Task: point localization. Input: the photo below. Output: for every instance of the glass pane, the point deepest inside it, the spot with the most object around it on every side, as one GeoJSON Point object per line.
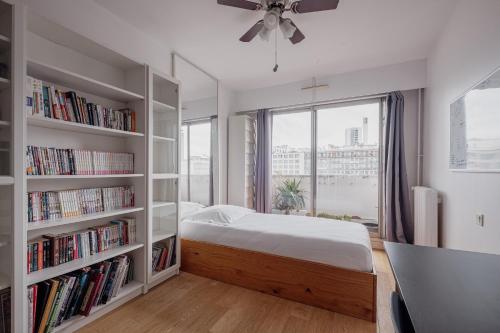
{"type": "Point", "coordinates": [348, 163]}
{"type": "Point", "coordinates": [184, 164]}
{"type": "Point", "coordinates": [292, 163]}
{"type": "Point", "coordinates": [199, 163]}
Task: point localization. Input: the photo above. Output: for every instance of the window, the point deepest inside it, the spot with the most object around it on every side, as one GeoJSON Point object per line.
{"type": "Point", "coordinates": [291, 139]}
{"type": "Point", "coordinates": [196, 170]}
{"type": "Point", "coordinates": [334, 152]}
{"type": "Point", "coordinates": [352, 134]}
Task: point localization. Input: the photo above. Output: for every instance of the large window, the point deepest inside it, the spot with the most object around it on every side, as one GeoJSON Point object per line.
{"type": "Point", "coordinates": [329, 156]}
{"type": "Point", "coordinates": [196, 170]}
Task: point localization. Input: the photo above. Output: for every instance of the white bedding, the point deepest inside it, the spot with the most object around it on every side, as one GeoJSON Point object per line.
{"type": "Point", "coordinates": [335, 243]}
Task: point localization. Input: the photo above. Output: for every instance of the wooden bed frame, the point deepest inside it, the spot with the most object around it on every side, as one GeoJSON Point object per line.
{"type": "Point", "coordinates": [337, 289]}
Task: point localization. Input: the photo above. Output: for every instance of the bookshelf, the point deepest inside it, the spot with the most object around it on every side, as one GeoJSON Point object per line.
{"type": "Point", "coordinates": [34, 47]}
{"type": "Point", "coordinates": [163, 174]}
{"type": "Point", "coordinates": [7, 174]}
{"type": "Point", "coordinates": [70, 62]}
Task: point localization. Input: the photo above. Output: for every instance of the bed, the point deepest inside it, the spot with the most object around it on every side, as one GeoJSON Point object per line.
{"type": "Point", "coordinates": [315, 261]}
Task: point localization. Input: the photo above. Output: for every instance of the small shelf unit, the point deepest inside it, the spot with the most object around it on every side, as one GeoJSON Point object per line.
{"type": "Point", "coordinates": [163, 169]}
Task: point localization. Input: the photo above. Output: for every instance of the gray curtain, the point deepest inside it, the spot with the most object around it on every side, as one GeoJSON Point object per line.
{"type": "Point", "coordinates": [263, 171]}
{"type": "Point", "coordinates": [398, 219]}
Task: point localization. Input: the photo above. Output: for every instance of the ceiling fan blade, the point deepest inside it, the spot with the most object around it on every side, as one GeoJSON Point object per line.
{"type": "Point", "coordinates": [250, 34]}
{"type": "Point", "coordinates": [240, 4]}
{"type": "Point", "coordinates": [298, 36]}
{"type": "Point", "coordinates": [308, 6]}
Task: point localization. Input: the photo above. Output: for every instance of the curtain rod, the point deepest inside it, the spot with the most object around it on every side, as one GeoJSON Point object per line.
{"type": "Point", "coordinates": [310, 105]}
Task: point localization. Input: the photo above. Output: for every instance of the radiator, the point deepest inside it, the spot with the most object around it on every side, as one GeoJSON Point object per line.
{"type": "Point", "coordinates": [426, 216]}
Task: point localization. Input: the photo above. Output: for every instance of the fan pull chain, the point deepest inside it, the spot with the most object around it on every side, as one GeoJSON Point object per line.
{"type": "Point", "coordinates": [275, 69]}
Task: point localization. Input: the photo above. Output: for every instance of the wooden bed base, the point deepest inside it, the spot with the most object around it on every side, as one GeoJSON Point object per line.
{"type": "Point", "coordinates": [337, 289]}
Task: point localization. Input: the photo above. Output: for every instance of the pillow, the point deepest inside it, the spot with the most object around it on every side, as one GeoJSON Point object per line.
{"type": "Point", "coordinates": [220, 214]}
{"type": "Point", "coordinates": [188, 208]}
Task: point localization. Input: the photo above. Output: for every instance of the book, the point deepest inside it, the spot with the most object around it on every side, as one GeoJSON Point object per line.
{"type": "Point", "coordinates": [164, 254]}
{"type": "Point", "coordinates": [42, 161]}
{"type": "Point", "coordinates": [42, 296]}
{"type": "Point", "coordinates": [55, 249]}
{"type": "Point", "coordinates": [46, 100]}
{"type": "Point", "coordinates": [54, 205]}
{"type": "Point", "coordinates": [54, 284]}
{"type": "Point", "coordinates": [76, 293]}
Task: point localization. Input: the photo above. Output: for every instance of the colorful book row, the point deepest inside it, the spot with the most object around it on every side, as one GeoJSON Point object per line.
{"type": "Point", "coordinates": [50, 102]}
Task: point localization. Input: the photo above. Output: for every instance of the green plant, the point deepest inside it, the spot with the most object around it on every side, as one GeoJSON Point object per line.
{"type": "Point", "coordinates": [289, 196]}
{"type": "Point", "coordinates": [336, 217]}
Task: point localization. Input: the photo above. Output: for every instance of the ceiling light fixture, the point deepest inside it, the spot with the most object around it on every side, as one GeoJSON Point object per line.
{"type": "Point", "coordinates": [271, 18]}
{"type": "Point", "coordinates": [287, 28]}
{"type": "Point", "coordinates": [264, 34]}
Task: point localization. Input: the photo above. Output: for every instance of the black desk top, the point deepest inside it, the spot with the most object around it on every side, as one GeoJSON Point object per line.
{"type": "Point", "coordinates": [447, 290]}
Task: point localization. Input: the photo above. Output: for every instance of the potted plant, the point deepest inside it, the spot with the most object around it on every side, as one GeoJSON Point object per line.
{"type": "Point", "coordinates": [289, 196]}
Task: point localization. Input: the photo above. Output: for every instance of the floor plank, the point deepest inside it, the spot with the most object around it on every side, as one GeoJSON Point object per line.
{"type": "Point", "coordinates": [189, 303]}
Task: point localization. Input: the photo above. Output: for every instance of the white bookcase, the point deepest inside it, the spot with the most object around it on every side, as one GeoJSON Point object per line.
{"type": "Point", "coordinates": [163, 170]}
{"type": "Point", "coordinates": [7, 178]}
{"type": "Point", "coordinates": [71, 62]}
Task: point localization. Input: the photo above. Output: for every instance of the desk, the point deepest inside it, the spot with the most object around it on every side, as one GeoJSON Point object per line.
{"type": "Point", "coordinates": [447, 290]}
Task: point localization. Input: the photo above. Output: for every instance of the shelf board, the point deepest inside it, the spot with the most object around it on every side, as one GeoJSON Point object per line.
{"type": "Point", "coordinates": [50, 177]}
{"type": "Point", "coordinates": [83, 218]}
{"type": "Point", "coordinates": [163, 139]}
{"type": "Point", "coordinates": [4, 123]}
{"type": "Point", "coordinates": [159, 235]}
{"type": "Point", "coordinates": [128, 291]}
{"type": "Point", "coordinates": [4, 83]}
{"type": "Point", "coordinates": [77, 127]}
{"type": "Point", "coordinates": [162, 107]}
{"type": "Point", "coordinates": [77, 81]}
{"type": "Point", "coordinates": [158, 275]}
{"type": "Point", "coordinates": [158, 204]}
{"type": "Point", "coordinates": [51, 272]}
{"type": "Point", "coordinates": [4, 150]}
{"type": "Point", "coordinates": [165, 176]}
{"type": "Point", "coordinates": [4, 43]}
{"type": "Point", "coordinates": [6, 180]}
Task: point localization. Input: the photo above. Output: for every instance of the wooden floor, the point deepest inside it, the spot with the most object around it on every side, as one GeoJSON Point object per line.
{"type": "Point", "coordinates": [189, 303]}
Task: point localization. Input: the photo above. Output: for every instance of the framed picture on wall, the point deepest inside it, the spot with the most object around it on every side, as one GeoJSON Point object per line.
{"type": "Point", "coordinates": [475, 128]}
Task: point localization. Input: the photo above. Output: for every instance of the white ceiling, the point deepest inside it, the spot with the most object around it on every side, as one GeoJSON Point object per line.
{"type": "Point", "coordinates": [359, 34]}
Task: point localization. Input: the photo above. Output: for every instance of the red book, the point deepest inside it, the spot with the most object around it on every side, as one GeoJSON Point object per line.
{"type": "Point", "coordinates": [98, 280]}
{"type": "Point", "coordinates": [163, 258]}
{"type": "Point", "coordinates": [35, 294]}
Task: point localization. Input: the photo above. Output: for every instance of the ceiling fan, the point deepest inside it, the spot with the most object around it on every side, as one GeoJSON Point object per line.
{"type": "Point", "coordinates": [273, 17]}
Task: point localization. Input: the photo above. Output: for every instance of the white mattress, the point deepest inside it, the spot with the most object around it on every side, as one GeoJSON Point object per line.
{"type": "Point", "coordinates": [335, 243]}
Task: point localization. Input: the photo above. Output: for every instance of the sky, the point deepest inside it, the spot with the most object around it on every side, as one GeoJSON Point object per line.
{"type": "Point", "coordinates": [294, 129]}
{"type": "Point", "coordinates": [483, 114]}
{"type": "Point", "coordinates": [199, 139]}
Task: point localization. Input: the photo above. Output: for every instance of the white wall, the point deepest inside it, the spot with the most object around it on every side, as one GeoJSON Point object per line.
{"type": "Point", "coordinates": [227, 105]}
{"type": "Point", "coordinates": [98, 24]}
{"type": "Point", "coordinates": [200, 108]}
{"type": "Point", "coordinates": [405, 76]}
{"type": "Point", "coordinates": [467, 51]}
